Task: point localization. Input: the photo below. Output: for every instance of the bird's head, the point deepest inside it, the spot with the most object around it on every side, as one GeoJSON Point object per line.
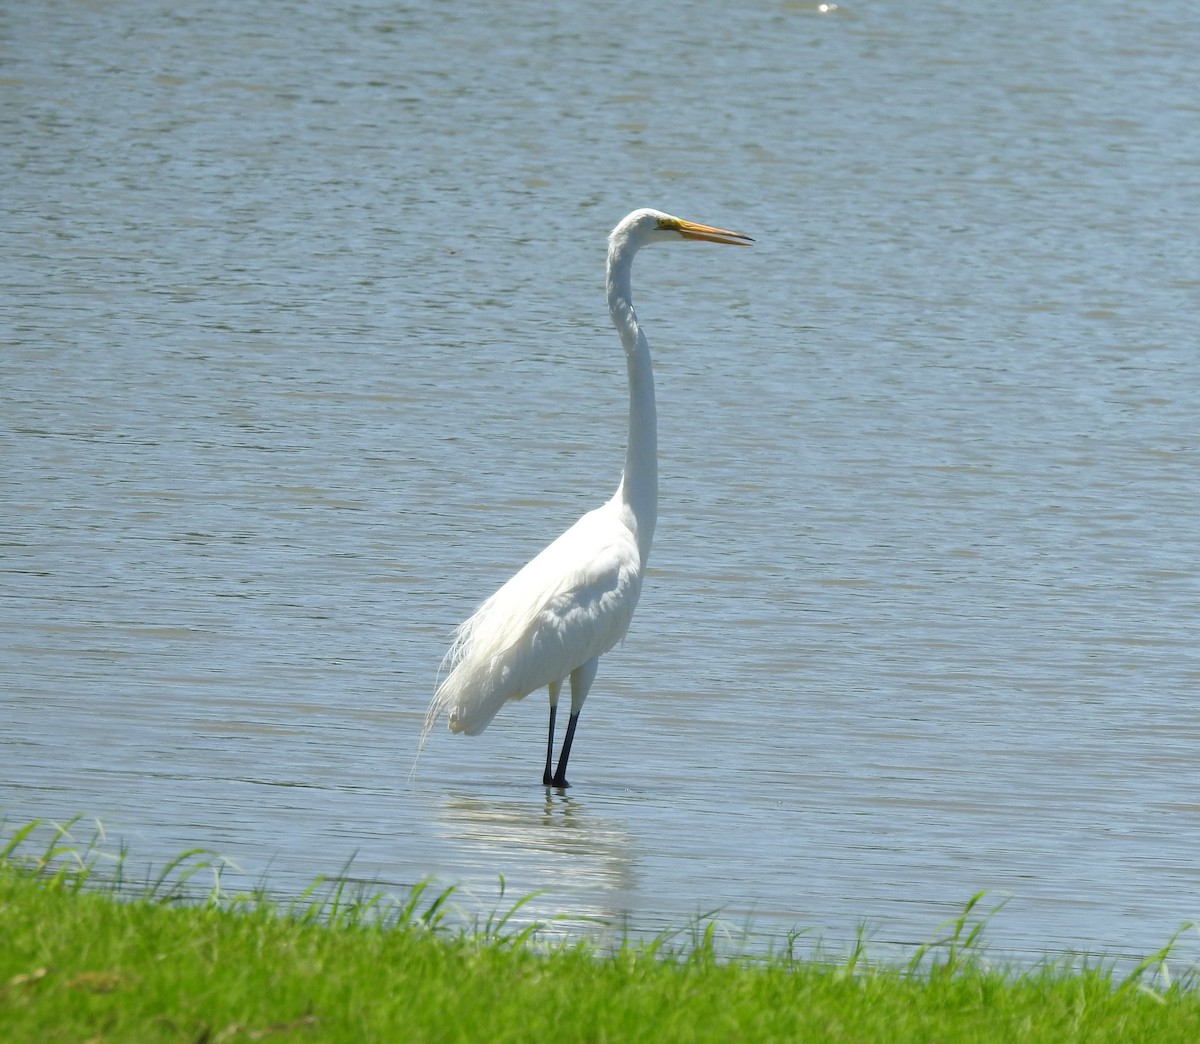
{"type": "Point", "coordinates": [653, 226]}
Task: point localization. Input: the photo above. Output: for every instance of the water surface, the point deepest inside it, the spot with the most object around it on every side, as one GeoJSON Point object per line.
{"type": "Point", "coordinates": [305, 352]}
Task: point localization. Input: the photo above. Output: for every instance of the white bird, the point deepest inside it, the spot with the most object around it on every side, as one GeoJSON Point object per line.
{"type": "Point", "coordinates": [574, 601]}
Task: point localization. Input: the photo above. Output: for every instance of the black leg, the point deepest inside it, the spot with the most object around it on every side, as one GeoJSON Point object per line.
{"type": "Point", "coordinates": [547, 779]}
{"type": "Point", "coordinates": [560, 776]}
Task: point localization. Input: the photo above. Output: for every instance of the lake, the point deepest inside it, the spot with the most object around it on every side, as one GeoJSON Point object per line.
{"type": "Point", "coordinates": [305, 351]}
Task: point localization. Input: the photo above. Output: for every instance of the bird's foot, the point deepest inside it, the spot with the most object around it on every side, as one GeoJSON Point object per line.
{"type": "Point", "coordinates": [558, 781]}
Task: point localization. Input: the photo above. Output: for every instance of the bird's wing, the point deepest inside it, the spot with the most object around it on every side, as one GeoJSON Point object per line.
{"type": "Point", "coordinates": [591, 608]}
{"type": "Point", "coordinates": [571, 603]}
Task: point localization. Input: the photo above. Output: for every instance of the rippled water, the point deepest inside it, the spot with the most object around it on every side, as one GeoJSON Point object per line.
{"type": "Point", "coordinates": [305, 351]}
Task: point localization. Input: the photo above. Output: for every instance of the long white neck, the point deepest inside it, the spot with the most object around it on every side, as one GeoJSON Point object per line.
{"type": "Point", "coordinates": [639, 482]}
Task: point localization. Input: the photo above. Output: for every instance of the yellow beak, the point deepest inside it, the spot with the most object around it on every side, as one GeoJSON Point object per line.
{"type": "Point", "coordinates": [690, 230]}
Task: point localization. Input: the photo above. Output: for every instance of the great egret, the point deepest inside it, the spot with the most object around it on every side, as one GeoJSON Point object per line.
{"type": "Point", "coordinates": [574, 601]}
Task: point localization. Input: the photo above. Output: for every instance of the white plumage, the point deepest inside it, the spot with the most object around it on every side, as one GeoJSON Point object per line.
{"type": "Point", "coordinates": [573, 602]}
{"type": "Point", "coordinates": [570, 604]}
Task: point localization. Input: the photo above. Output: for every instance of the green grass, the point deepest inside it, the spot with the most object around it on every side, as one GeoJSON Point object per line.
{"type": "Point", "coordinates": [86, 954]}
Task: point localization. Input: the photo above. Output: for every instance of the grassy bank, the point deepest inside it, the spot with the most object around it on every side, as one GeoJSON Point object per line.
{"type": "Point", "coordinates": [125, 962]}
